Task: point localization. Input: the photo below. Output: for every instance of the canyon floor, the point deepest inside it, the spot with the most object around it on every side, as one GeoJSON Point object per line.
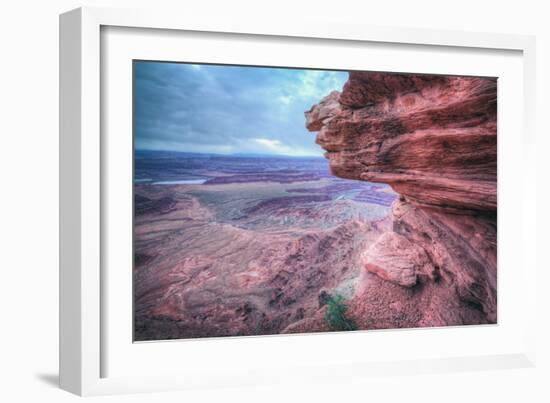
{"type": "Point", "coordinates": [247, 245]}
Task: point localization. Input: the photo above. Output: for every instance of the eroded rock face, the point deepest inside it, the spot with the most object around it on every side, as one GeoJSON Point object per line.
{"type": "Point", "coordinates": [394, 258]}
{"type": "Point", "coordinates": [433, 139]}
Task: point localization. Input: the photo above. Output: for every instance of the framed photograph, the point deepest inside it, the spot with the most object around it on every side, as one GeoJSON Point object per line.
{"type": "Point", "coordinates": [241, 201]}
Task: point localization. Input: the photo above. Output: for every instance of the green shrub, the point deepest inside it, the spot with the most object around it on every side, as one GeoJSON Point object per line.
{"type": "Point", "coordinates": [335, 315]}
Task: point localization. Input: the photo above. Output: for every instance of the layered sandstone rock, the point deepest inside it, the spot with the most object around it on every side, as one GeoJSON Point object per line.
{"type": "Point", "coordinates": [394, 258]}
{"type": "Point", "coordinates": [434, 140]}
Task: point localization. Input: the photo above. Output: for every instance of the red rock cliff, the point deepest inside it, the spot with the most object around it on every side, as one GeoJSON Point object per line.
{"type": "Point", "coordinates": [434, 140]}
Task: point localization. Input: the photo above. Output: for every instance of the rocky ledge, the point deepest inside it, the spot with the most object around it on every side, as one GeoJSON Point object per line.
{"type": "Point", "coordinates": [434, 140]}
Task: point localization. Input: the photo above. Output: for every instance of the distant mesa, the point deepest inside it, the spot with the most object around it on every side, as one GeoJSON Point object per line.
{"type": "Point", "coordinates": [279, 177]}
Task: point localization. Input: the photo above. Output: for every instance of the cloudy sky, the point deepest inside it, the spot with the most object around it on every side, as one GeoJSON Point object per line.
{"type": "Point", "coordinates": [227, 109]}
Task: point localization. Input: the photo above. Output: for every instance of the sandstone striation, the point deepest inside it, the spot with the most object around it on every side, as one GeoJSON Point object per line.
{"type": "Point", "coordinates": [394, 258]}
{"type": "Point", "coordinates": [434, 140]}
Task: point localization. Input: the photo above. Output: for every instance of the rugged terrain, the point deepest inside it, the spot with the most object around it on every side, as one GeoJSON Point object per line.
{"type": "Point", "coordinates": [236, 245]}
{"type": "Point", "coordinates": [228, 246]}
{"type": "Point", "coordinates": [433, 139]}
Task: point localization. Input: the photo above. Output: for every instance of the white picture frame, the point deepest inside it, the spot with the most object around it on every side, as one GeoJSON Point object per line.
{"type": "Point", "coordinates": [83, 307]}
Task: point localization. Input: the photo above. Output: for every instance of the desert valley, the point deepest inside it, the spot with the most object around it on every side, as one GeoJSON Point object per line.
{"type": "Point", "coordinates": [236, 245]}
{"type": "Point", "coordinates": [395, 228]}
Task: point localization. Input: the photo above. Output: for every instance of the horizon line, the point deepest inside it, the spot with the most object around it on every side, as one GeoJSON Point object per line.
{"type": "Point", "coordinates": [252, 154]}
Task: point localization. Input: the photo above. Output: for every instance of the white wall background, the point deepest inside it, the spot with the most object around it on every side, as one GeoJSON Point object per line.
{"type": "Point", "coordinates": [29, 201]}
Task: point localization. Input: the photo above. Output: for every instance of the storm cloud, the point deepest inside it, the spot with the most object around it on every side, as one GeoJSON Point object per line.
{"type": "Point", "coordinates": [227, 109]}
